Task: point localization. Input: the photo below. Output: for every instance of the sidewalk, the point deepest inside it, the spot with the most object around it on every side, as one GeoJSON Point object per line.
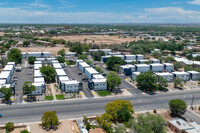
{"type": "Point", "coordinates": [53, 91]}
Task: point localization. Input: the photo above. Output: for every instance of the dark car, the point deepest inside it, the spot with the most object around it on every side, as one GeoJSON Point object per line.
{"type": "Point", "coordinates": [103, 74]}
{"type": "Point", "coordinates": [79, 73]}
{"type": "Point", "coordinates": [0, 115]}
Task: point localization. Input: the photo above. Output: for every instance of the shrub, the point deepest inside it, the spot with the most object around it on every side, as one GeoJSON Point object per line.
{"type": "Point", "coordinates": [9, 126]}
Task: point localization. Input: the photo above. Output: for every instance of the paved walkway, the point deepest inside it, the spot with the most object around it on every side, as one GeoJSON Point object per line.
{"type": "Point", "coordinates": [53, 91]}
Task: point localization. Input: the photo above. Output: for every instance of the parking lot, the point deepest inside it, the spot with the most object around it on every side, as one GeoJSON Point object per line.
{"type": "Point", "coordinates": [19, 78]}
{"type": "Point", "coordinates": [73, 72]}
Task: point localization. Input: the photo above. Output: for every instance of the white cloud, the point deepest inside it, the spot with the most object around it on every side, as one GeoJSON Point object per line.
{"type": "Point", "coordinates": [194, 2]}
{"type": "Point", "coordinates": [149, 15]}
{"type": "Point", "coordinates": [176, 3]}
{"type": "Point", "coordinates": [172, 14]}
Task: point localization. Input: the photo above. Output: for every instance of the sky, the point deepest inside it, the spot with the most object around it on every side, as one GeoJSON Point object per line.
{"type": "Point", "coordinates": [99, 11]}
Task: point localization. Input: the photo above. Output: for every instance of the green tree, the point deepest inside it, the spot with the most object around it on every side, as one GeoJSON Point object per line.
{"type": "Point", "coordinates": [116, 109]}
{"type": "Point", "coordinates": [162, 82]}
{"type": "Point", "coordinates": [83, 57]}
{"type": "Point", "coordinates": [89, 62]}
{"type": "Point", "coordinates": [9, 126]}
{"type": "Point", "coordinates": [7, 93]}
{"type": "Point", "coordinates": [147, 81]}
{"type": "Point", "coordinates": [61, 52]}
{"type": "Point", "coordinates": [177, 65]}
{"type": "Point", "coordinates": [28, 88]}
{"type": "Point", "coordinates": [24, 131]}
{"type": "Point", "coordinates": [97, 55]}
{"type": "Point", "coordinates": [49, 73]}
{"type": "Point", "coordinates": [98, 69]}
{"type": "Point", "coordinates": [169, 59]}
{"type": "Point", "coordinates": [31, 59]}
{"type": "Point", "coordinates": [148, 123]}
{"type": "Point", "coordinates": [77, 49]}
{"type": "Point", "coordinates": [124, 115]}
{"type": "Point", "coordinates": [85, 47]}
{"type": "Point", "coordinates": [61, 59]}
{"type": "Point", "coordinates": [26, 43]}
{"type": "Point", "coordinates": [105, 122]}
{"type": "Point", "coordinates": [3, 61]}
{"type": "Point", "coordinates": [177, 83]}
{"type": "Point", "coordinates": [177, 107]}
{"type": "Point", "coordinates": [14, 55]}
{"type": "Point", "coordinates": [119, 129]}
{"type": "Point", "coordinates": [88, 126]}
{"type": "Point", "coordinates": [113, 80]}
{"type": "Point", "coordinates": [49, 119]}
{"type": "Point", "coordinates": [113, 63]}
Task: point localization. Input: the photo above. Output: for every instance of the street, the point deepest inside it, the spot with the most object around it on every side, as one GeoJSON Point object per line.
{"type": "Point", "coordinates": [31, 112]}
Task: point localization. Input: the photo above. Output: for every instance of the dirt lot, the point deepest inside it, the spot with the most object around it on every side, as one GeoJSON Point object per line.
{"type": "Point", "coordinates": [98, 39]}
{"type": "Point", "coordinates": [1, 33]}
{"type": "Point", "coordinates": [52, 50]}
{"type": "Point", "coordinates": [65, 127]}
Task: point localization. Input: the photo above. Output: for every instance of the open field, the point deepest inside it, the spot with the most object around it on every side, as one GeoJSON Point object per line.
{"type": "Point", "coordinates": [98, 39]}
{"type": "Point", "coordinates": [52, 50]}
{"type": "Point", "coordinates": [1, 33]}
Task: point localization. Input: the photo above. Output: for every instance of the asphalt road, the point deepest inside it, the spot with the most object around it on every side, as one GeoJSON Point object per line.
{"type": "Point", "coordinates": [31, 112]}
{"type": "Point", "coordinates": [22, 77]}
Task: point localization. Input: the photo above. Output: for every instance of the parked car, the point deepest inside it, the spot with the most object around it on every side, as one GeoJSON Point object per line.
{"type": "Point", "coordinates": [79, 73]}
{"type": "Point", "coordinates": [103, 74]}
{"type": "Point", "coordinates": [0, 115]}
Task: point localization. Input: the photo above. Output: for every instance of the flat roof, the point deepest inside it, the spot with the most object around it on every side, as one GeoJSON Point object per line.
{"type": "Point", "coordinates": [57, 65]}
{"type": "Point", "coordinates": [34, 52]}
{"type": "Point", "coordinates": [4, 74]}
{"type": "Point", "coordinates": [38, 84]}
{"type": "Point", "coordinates": [2, 81]}
{"type": "Point", "coordinates": [6, 85]}
{"type": "Point", "coordinates": [40, 59]}
{"type": "Point", "coordinates": [130, 66]}
{"type": "Point", "coordinates": [8, 68]}
{"type": "Point", "coordinates": [156, 64]}
{"type": "Point", "coordinates": [40, 79]}
{"type": "Point", "coordinates": [79, 60]}
{"type": "Point", "coordinates": [37, 62]}
{"type": "Point", "coordinates": [11, 63]}
{"type": "Point", "coordinates": [194, 72]}
{"type": "Point", "coordinates": [164, 74]}
{"type": "Point", "coordinates": [136, 73]}
{"type": "Point", "coordinates": [130, 55]}
{"type": "Point", "coordinates": [71, 82]}
{"type": "Point", "coordinates": [63, 78]}
{"type": "Point", "coordinates": [143, 60]}
{"type": "Point", "coordinates": [180, 73]}
{"type": "Point", "coordinates": [49, 59]}
{"type": "Point", "coordinates": [37, 66]}
{"type": "Point", "coordinates": [139, 55]}
{"type": "Point", "coordinates": [142, 65]}
{"type": "Point", "coordinates": [98, 76]}
{"type": "Point", "coordinates": [91, 70]}
{"type": "Point", "coordinates": [181, 124]}
{"type": "Point", "coordinates": [37, 73]}
{"type": "Point", "coordinates": [99, 80]}
{"type": "Point", "coordinates": [60, 72]}
{"type": "Point", "coordinates": [168, 64]}
{"type": "Point", "coordinates": [55, 61]}
{"type": "Point", "coordinates": [83, 64]}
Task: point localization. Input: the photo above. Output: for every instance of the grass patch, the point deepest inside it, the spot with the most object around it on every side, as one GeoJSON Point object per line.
{"type": "Point", "coordinates": [48, 98]}
{"type": "Point", "coordinates": [103, 93]}
{"type": "Point", "coordinates": [68, 62]}
{"type": "Point", "coordinates": [60, 97]}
